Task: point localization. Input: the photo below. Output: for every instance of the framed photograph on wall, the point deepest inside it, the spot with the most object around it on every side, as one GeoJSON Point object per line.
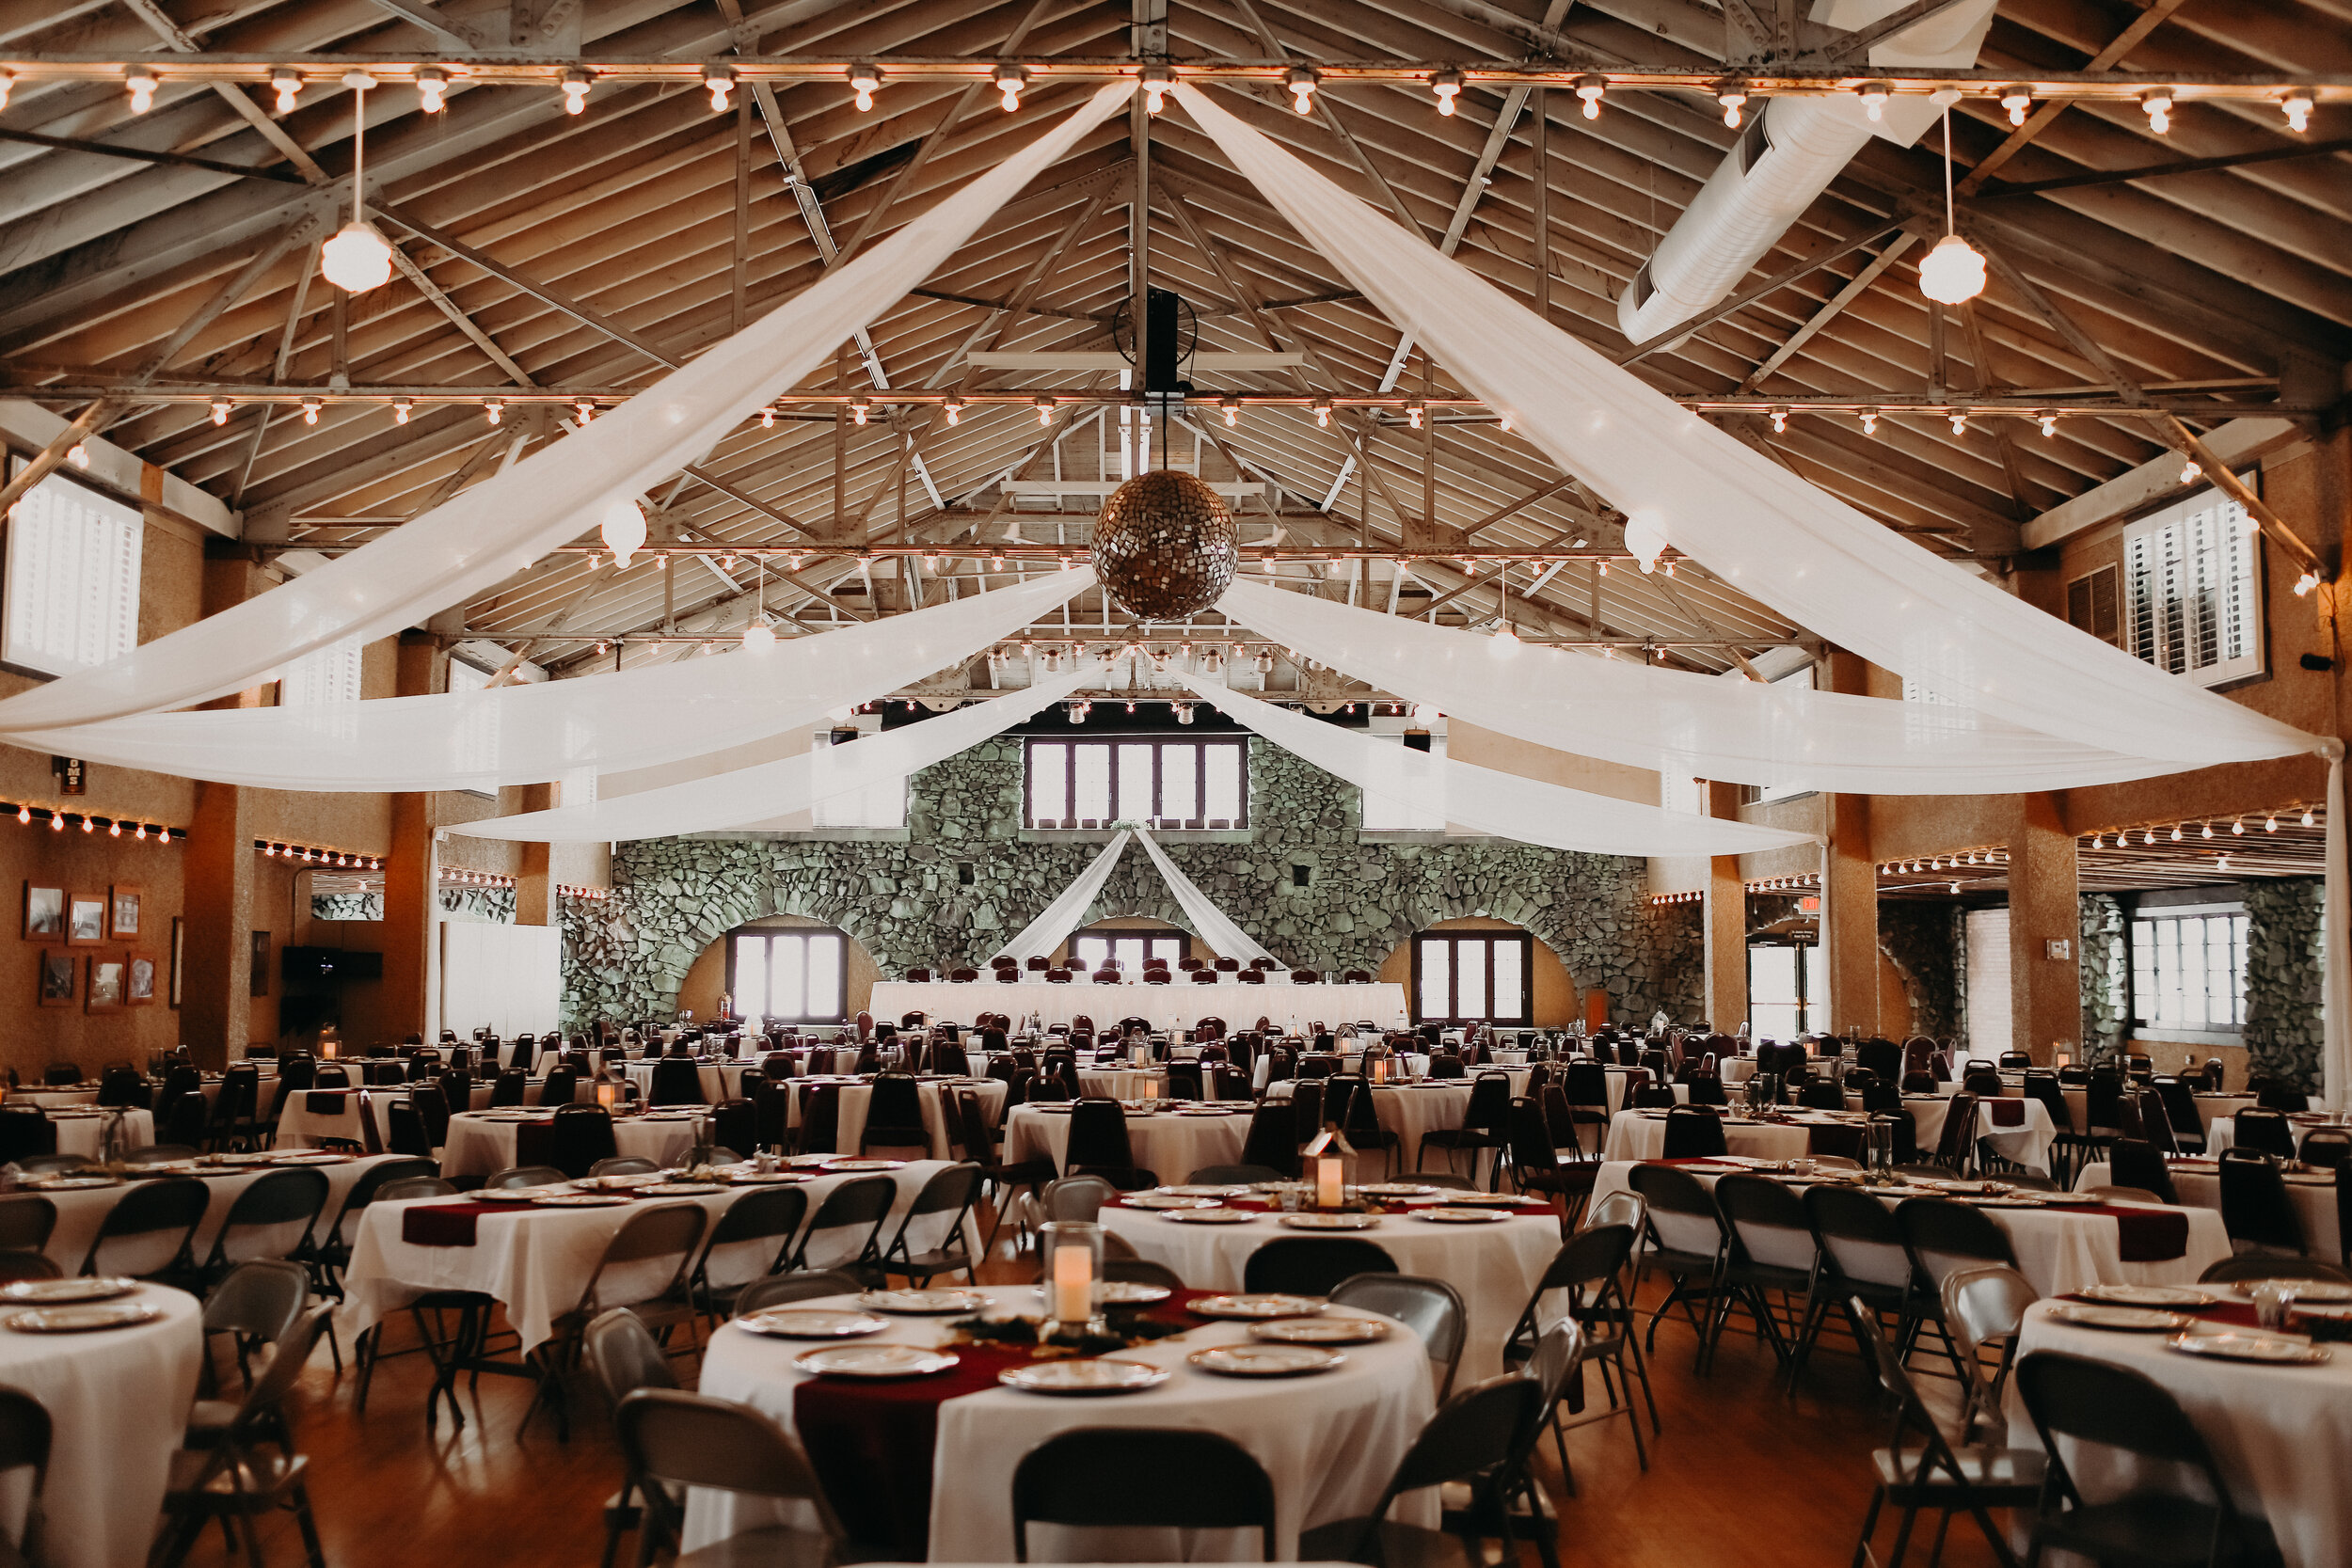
{"type": "Point", "coordinates": [58, 969]}
{"type": "Point", "coordinates": [85, 919]}
{"type": "Point", "coordinates": [123, 913]}
{"type": "Point", "coordinates": [107, 977]}
{"type": "Point", "coordinates": [261, 965]}
{"type": "Point", "coordinates": [44, 913]}
{"type": "Point", "coordinates": [177, 931]}
{"type": "Point", "coordinates": [139, 981]}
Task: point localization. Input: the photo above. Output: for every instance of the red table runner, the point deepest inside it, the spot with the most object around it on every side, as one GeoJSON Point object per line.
{"type": "Point", "coordinates": [2144, 1235]}
{"type": "Point", "coordinates": [449, 1224]}
{"type": "Point", "coordinates": [2005, 1111]}
{"type": "Point", "coordinates": [871, 1443]}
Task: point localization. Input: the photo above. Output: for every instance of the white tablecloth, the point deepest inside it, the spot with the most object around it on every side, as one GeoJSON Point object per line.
{"type": "Point", "coordinates": [2199, 1186]}
{"type": "Point", "coordinates": [2056, 1250]}
{"type": "Point", "coordinates": [1171, 1145]}
{"type": "Point", "coordinates": [49, 1100]}
{"type": "Point", "coordinates": [720, 1080]}
{"type": "Point", "coordinates": [1329, 1443]}
{"type": "Point", "coordinates": [480, 1146]}
{"type": "Point", "coordinates": [537, 1262]}
{"type": "Point", "coordinates": [1178, 1005]}
{"type": "Point", "coordinates": [1639, 1135]}
{"type": "Point", "coordinates": [857, 1094]}
{"type": "Point", "coordinates": [119, 1404]}
{"type": "Point", "coordinates": [80, 1132]}
{"type": "Point", "coordinates": [80, 1212]}
{"type": "Point", "coordinates": [1494, 1266]}
{"type": "Point", "coordinates": [2027, 1144]}
{"type": "Point", "coordinates": [2283, 1435]}
{"type": "Point", "coordinates": [1411, 1110]}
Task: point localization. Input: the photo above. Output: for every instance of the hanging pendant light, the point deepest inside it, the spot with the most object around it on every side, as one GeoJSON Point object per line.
{"type": "Point", "coordinates": [358, 259]}
{"type": "Point", "coordinates": [1953, 272]}
{"type": "Point", "coordinates": [624, 530]}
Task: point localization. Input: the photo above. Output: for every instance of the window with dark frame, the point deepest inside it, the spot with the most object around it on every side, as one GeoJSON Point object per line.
{"type": "Point", "coordinates": [1131, 947]}
{"type": "Point", "coordinates": [801, 976]}
{"type": "Point", "coordinates": [1161, 781]}
{"type": "Point", "coordinates": [1474, 977]}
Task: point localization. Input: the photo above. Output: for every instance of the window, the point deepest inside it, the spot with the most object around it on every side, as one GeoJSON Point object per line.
{"type": "Point", "coordinates": [882, 804]}
{"type": "Point", "coordinates": [329, 675]}
{"type": "Point", "coordinates": [1787, 991]}
{"type": "Point", "coordinates": [1175, 946]}
{"type": "Point", "coordinates": [2189, 968]}
{"type": "Point", "coordinates": [2191, 597]}
{"type": "Point", "coordinates": [790, 977]}
{"type": "Point", "coordinates": [1473, 976]}
{"type": "Point", "coordinates": [1422, 814]}
{"type": "Point", "coordinates": [2095, 603]}
{"type": "Point", "coordinates": [71, 597]}
{"type": "Point", "coordinates": [1158, 782]}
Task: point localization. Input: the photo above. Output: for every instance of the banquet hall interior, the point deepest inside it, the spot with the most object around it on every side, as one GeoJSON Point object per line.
{"type": "Point", "coordinates": [1439, 780]}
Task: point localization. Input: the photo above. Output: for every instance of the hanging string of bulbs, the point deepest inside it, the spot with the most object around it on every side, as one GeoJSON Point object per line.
{"type": "Point", "coordinates": [311, 854]}
{"type": "Point", "coordinates": [57, 819]}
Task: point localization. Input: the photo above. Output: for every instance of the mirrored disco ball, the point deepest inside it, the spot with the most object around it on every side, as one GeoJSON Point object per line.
{"type": "Point", "coordinates": [1164, 545]}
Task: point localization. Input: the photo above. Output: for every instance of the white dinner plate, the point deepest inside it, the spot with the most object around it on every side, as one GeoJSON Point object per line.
{"type": "Point", "coordinates": [1450, 1214]}
{"type": "Point", "coordinates": [2173, 1297]}
{"type": "Point", "coordinates": [616, 1183]}
{"type": "Point", "coordinates": [2269, 1349]}
{"type": "Point", "coordinates": [1124, 1293]}
{"type": "Point", "coordinates": [81, 1320]}
{"type": "Point", "coordinates": [2121, 1320]}
{"type": "Point", "coordinates": [1083, 1375]}
{"type": "Point", "coordinates": [924, 1303]}
{"type": "Point", "coordinates": [1396, 1189]}
{"type": "Point", "coordinates": [1265, 1360]}
{"type": "Point", "coordinates": [874, 1361]}
{"type": "Point", "coordinates": [1206, 1189]}
{"type": "Point", "coordinates": [2014, 1201]}
{"type": "Point", "coordinates": [61, 1293]}
{"type": "Point", "coordinates": [797, 1322]}
{"type": "Point", "coordinates": [2302, 1290]}
{"type": "Point", "coordinates": [1258, 1306]}
{"type": "Point", "coordinates": [1214, 1215]}
{"type": "Point", "coordinates": [308, 1158]}
{"type": "Point", "coordinates": [1331, 1221]}
{"type": "Point", "coordinates": [71, 1184]}
{"type": "Point", "coordinates": [681, 1189]}
{"type": "Point", "coordinates": [580, 1201]}
{"type": "Point", "coordinates": [1167, 1201]}
{"type": "Point", "coordinates": [863, 1165]}
{"type": "Point", "coordinates": [1324, 1330]}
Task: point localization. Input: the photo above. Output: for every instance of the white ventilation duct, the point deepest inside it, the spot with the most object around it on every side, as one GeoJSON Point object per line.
{"type": "Point", "coordinates": [1788, 155]}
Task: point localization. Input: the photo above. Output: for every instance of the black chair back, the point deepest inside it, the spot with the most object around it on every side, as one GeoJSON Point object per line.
{"type": "Point", "coordinates": [580, 1137]}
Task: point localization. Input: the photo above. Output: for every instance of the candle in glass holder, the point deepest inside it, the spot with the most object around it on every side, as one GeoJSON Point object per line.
{"type": "Point", "coordinates": [326, 1048]}
{"type": "Point", "coordinates": [609, 1095]}
{"type": "Point", "coordinates": [1074, 1284]}
{"type": "Point", "coordinates": [1330, 1181]}
{"type": "Point", "coordinates": [1073, 1250]}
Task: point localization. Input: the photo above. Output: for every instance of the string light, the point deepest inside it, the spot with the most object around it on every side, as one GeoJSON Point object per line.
{"type": "Point", "coordinates": [2206, 831]}
{"type": "Point", "coordinates": [719, 79]}
{"type": "Point", "coordinates": [1413, 413]}
{"type": "Point", "coordinates": [1157, 79]}
{"type": "Point", "coordinates": [866, 80]}
{"type": "Point", "coordinates": [1231, 408]}
{"type": "Point", "coordinates": [1780, 422]}
{"type": "Point", "coordinates": [2304, 584]}
{"type": "Point", "coordinates": [858, 410]}
{"type": "Point", "coordinates": [288, 81]}
{"type": "Point", "coordinates": [142, 83]}
{"type": "Point", "coordinates": [1044, 407]}
{"type": "Point", "coordinates": [2158, 103]}
{"type": "Point", "coordinates": [2048, 422]}
{"type": "Point", "coordinates": [576, 85]}
{"type": "Point", "coordinates": [2190, 472]}
{"type": "Point", "coordinates": [1869, 421]}
{"type": "Point", "coordinates": [1009, 80]}
{"type": "Point", "coordinates": [8, 80]}
{"type": "Point", "coordinates": [1323, 413]}
{"type": "Point", "coordinates": [2270, 824]}
{"type": "Point", "coordinates": [56, 822]}
{"type": "Point", "coordinates": [1590, 88]}
{"type": "Point", "coordinates": [220, 411]}
{"type": "Point", "coordinates": [1302, 80]}
{"type": "Point", "coordinates": [79, 456]}
{"type": "Point", "coordinates": [90, 824]}
{"type": "Point", "coordinates": [2238, 828]}
{"type": "Point", "coordinates": [310, 410]}
{"type": "Point", "coordinates": [1960, 421]}
{"type": "Point", "coordinates": [2307, 818]}
{"type": "Point", "coordinates": [766, 417]}
{"type": "Point", "coordinates": [1732, 94]}
{"type": "Point", "coordinates": [1874, 96]}
{"type": "Point", "coordinates": [955, 410]}
{"type": "Point", "coordinates": [401, 410]}
{"type": "Point", "coordinates": [2176, 833]}
{"type": "Point", "coordinates": [1447, 85]}
{"type": "Point", "coordinates": [2295, 106]}
{"type": "Point", "coordinates": [432, 89]}
{"type": "Point", "coordinates": [2017, 100]}
{"type": "Point", "coordinates": [493, 408]}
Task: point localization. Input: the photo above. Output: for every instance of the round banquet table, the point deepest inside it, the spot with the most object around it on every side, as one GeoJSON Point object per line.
{"type": "Point", "coordinates": [1171, 1145]}
{"type": "Point", "coordinates": [1495, 1266]}
{"type": "Point", "coordinates": [858, 1093]}
{"type": "Point", "coordinates": [720, 1080]}
{"type": "Point", "coordinates": [1410, 1110]}
{"type": "Point", "coordinates": [2283, 1435]}
{"type": "Point", "coordinates": [2027, 1140]}
{"type": "Point", "coordinates": [2198, 1185]}
{"type": "Point", "coordinates": [1329, 1442]}
{"type": "Point", "coordinates": [480, 1144]}
{"type": "Point", "coordinates": [50, 1099]}
{"type": "Point", "coordinates": [81, 1132]}
{"type": "Point", "coordinates": [1123, 1082]}
{"type": "Point", "coordinates": [1641, 1135]}
{"type": "Point", "coordinates": [81, 1211]}
{"type": "Point", "coordinates": [120, 1400]}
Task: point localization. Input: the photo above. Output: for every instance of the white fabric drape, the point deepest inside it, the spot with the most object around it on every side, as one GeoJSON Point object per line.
{"type": "Point", "coordinates": [499, 527]}
{"type": "Point", "coordinates": [1492, 802]}
{"type": "Point", "coordinates": [772, 789]}
{"type": "Point", "coordinates": [1209, 922]}
{"type": "Point", "coordinates": [1694, 725]}
{"type": "Point", "coordinates": [1767, 533]}
{"type": "Point", "coordinates": [517, 735]}
{"type": "Point", "coordinates": [1039, 937]}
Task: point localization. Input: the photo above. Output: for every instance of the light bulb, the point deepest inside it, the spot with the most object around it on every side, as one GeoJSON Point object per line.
{"type": "Point", "coordinates": [432, 89]}
{"type": "Point", "coordinates": [1009, 80]}
{"type": "Point", "coordinates": [1780, 422]}
{"type": "Point", "coordinates": [2222, 863]}
{"type": "Point", "coordinates": [719, 79]}
{"type": "Point", "coordinates": [493, 410]}
{"type": "Point", "coordinates": [114, 829]}
{"type": "Point", "coordinates": [2304, 584]}
{"type": "Point", "coordinates": [2190, 472]}
{"type": "Point", "coordinates": [955, 410]}
{"type": "Point", "coordinates": [1044, 407]}
{"type": "Point", "coordinates": [1447, 85]}
{"type": "Point", "coordinates": [1960, 421]}
{"type": "Point", "coordinates": [2296, 105]}
{"type": "Point", "coordinates": [142, 83]}
{"type": "Point", "coordinates": [2016, 100]}
{"type": "Point", "coordinates": [2097, 842]}
{"type": "Point", "coordinates": [1157, 79]}
{"type": "Point", "coordinates": [2307, 816]}
{"type": "Point", "coordinates": [576, 85]}
{"type": "Point", "coordinates": [2159, 106]}
{"type": "Point", "coordinates": [8, 80]}
{"type": "Point", "coordinates": [1590, 88]}
{"type": "Point", "coordinates": [1302, 80]}
{"type": "Point", "coordinates": [2206, 831]}
{"type": "Point", "coordinates": [1874, 96]}
{"type": "Point", "coordinates": [89, 824]}
{"type": "Point", "coordinates": [585, 410]}
{"type": "Point", "coordinates": [1412, 415]}
{"type": "Point", "coordinates": [56, 821]}
{"type": "Point", "coordinates": [401, 411]}
{"type": "Point", "coordinates": [287, 82]}
{"type": "Point", "coordinates": [857, 416]}
{"type": "Point", "coordinates": [766, 418]}
{"type": "Point", "coordinates": [1323, 413]}
{"type": "Point", "coordinates": [1869, 421]}
{"type": "Point", "coordinates": [141, 834]}
{"type": "Point", "coordinates": [1231, 407]}
{"type": "Point", "coordinates": [1952, 272]}
{"type": "Point", "coordinates": [2049, 423]}
{"type": "Point", "coordinates": [758, 637]}
{"type": "Point", "coordinates": [1733, 96]}
{"type": "Point", "coordinates": [623, 529]}
{"type": "Point", "coordinates": [358, 259]}
{"type": "Point", "coordinates": [310, 410]}
{"type": "Point", "coordinates": [2176, 833]}
{"type": "Point", "coordinates": [865, 80]}
{"type": "Point", "coordinates": [220, 411]}
{"type": "Point", "coordinates": [2270, 824]}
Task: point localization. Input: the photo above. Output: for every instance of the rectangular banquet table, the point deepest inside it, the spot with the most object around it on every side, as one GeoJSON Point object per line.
{"type": "Point", "coordinates": [2056, 1250]}
{"type": "Point", "coordinates": [537, 1262]}
{"type": "Point", "coordinates": [1178, 1005]}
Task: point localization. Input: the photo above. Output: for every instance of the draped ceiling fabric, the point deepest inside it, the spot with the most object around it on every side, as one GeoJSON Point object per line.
{"type": "Point", "coordinates": [516, 735]}
{"type": "Point", "coordinates": [500, 525]}
{"type": "Point", "coordinates": [1492, 802]}
{"type": "Point", "coordinates": [1209, 922]}
{"type": "Point", "coordinates": [772, 789]}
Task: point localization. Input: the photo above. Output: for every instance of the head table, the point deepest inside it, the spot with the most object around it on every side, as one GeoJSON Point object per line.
{"type": "Point", "coordinates": [1329, 1442]}
{"type": "Point", "coordinates": [1178, 1005]}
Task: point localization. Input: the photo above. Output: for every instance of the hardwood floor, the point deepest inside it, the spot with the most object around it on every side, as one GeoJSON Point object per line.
{"type": "Point", "coordinates": [1743, 1475]}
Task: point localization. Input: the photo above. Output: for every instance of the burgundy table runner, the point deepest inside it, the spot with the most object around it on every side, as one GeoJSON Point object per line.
{"type": "Point", "coordinates": [2144, 1235]}
{"type": "Point", "coordinates": [449, 1224]}
{"type": "Point", "coordinates": [2005, 1111]}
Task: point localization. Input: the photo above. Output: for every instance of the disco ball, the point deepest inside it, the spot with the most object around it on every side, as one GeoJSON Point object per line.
{"type": "Point", "coordinates": [1164, 545]}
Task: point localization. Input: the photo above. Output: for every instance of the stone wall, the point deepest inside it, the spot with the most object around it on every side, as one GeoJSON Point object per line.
{"type": "Point", "coordinates": [966, 880]}
{"type": "Point", "coordinates": [346, 905]}
{"type": "Point", "coordinates": [1922, 940]}
{"type": "Point", "coordinates": [493, 905]}
{"type": "Point", "coordinates": [2282, 978]}
{"type": "Point", "coordinates": [2104, 963]}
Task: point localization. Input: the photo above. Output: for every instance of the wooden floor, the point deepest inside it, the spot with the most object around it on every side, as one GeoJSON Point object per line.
{"type": "Point", "coordinates": [1743, 1475]}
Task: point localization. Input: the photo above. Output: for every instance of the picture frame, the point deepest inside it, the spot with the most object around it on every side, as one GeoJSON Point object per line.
{"type": "Point", "coordinates": [44, 913]}
{"type": "Point", "coordinates": [58, 968]}
{"type": "Point", "coordinates": [108, 975]}
{"type": "Point", "coordinates": [138, 989]}
{"type": "Point", "coordinates": [123, 913]}
{"type": "Point", "coordinates": [178, 951]}
{"type": "Point", "coordinates": [85, 919]}
{"type": "Point", "coordinates": [259, 986]}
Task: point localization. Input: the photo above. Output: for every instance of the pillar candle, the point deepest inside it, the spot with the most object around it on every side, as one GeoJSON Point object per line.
{"type": "Point", "coordinates": [1074, 1284]}
{"type": "Point", "coordinates": [1330, 1181]}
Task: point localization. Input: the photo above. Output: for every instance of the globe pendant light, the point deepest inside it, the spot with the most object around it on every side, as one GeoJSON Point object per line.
{"type": "Point", "coordinates": [358, 259]}
{"type": "Point", "coordinates": [1953, 272]}
{"type": "Point", "coordinates": [623, 531]}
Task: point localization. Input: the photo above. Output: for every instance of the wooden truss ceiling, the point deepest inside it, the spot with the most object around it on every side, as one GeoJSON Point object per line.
{"type": "Point", "coordinates": [540, 249]}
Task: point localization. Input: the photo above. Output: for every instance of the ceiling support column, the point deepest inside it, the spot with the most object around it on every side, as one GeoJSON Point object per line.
{"type": "Point", "coordinates": [1724, 922]}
